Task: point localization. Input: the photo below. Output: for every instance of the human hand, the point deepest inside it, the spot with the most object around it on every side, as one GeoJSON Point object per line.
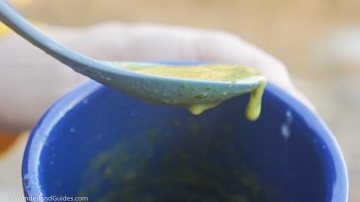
{"type": "Point", "coordinates": [152, 42]}
{"type": "Point", "coordinates": [32, 80]}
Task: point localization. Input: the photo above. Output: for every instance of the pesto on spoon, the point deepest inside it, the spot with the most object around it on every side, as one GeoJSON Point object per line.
{"type": "Point", "coordinates": [233, 74]}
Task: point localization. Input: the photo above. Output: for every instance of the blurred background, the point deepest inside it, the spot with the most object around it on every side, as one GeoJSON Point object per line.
{"type": "Point", "coordinates": [318, 40]}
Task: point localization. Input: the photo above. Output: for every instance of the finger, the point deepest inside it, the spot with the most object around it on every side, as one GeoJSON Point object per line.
{"type": "Point", "coordinates": [223, 47]}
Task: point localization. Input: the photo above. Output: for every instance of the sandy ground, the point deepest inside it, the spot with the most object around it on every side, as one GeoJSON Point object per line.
{"type": "Point", "coordinates": [319, 41]}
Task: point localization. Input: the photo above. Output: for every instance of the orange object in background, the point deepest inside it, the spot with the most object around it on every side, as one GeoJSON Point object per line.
{"type": "Point", "coordinates": [6, 140]}
{"type": "Point", "coordinates": [4, 30]}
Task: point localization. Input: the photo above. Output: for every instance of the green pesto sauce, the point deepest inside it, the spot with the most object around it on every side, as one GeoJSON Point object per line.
{"type": "Point", "coordinates": [213, 72]}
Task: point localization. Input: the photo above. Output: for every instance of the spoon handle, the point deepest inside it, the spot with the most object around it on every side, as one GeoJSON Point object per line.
{"type": "Point", "coordinates": [76, 61]}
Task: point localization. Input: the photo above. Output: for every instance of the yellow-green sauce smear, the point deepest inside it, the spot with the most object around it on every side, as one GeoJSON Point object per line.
{"type": "Point", "coordinates": [211, 72]}
{"type": "Point", "coordinates": [190, 156]}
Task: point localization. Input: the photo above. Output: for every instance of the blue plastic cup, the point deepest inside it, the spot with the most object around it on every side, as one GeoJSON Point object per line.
{"type": "Point", "coordinates": [99, 143]}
